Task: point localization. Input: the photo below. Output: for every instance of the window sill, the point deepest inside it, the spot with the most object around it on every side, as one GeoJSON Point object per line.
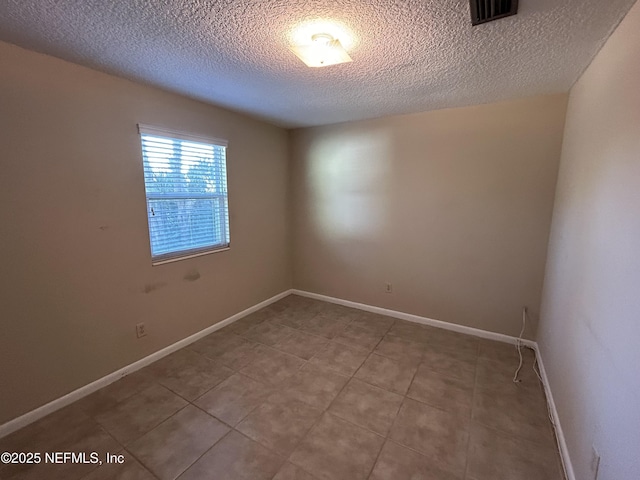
{"type": "Point", "coordinates": [162, 261]}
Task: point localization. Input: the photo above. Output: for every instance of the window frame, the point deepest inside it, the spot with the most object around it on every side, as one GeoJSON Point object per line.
{"type": "Point", "coordinates": [144, 129]}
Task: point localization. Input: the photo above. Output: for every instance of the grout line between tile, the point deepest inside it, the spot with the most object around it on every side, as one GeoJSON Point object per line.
{"type": "Point", "coordinates": [155, 426]}
{"type": "Point", "coordinates": [375, 462]}
{"type": "Point", "coordinates": [473, 398]}
{"type": "Point", "coordinates": [143, 464]}
{"type": "Point", "coordinates": [285, 458]}
{"type": "Point", "coordinates": [204, 453]}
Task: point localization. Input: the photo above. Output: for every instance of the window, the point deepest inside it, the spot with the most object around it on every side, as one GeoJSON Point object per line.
{"type": "Point", "coordinates": [185, 179]}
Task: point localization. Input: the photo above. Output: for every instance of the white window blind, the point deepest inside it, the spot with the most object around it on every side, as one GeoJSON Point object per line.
{"type": "Point", "coordinates": [185, 180]}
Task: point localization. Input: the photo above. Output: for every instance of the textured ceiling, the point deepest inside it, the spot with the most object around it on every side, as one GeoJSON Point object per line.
{"type": "Point", "coordinates": [408, 56]}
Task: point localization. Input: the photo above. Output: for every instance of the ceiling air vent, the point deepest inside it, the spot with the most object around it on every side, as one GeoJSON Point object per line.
{"type": "Point", "coordinates": [483, 11]}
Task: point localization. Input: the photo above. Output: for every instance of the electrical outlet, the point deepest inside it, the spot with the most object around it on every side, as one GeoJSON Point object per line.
{"type": "Point", "coordinates": [595, 462]}
{"type": "Point", "coordinates": [141, 331]}
{"type": "Point", "coordinates": [388, 288]}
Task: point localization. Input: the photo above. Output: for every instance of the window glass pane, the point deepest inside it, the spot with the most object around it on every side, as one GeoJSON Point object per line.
{"type": "Point", "coordinates": [175, 166]}
{"type": "Point", "coordinates": [186, 187]}
{"type": "Point", "coordinates": [176, 225]}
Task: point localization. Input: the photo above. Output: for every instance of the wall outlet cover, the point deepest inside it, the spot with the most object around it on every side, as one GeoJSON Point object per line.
{"type": "Point", "coordinates": [141, 331]}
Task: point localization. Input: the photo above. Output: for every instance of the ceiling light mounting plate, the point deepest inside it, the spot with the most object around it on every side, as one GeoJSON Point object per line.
{"type": "Point", "coordinates": [322, 51]}
{"type": "Point", "coordinates": [321, 38]}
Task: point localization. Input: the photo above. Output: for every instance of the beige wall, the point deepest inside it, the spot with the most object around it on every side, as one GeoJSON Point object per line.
{"type": "Point", "coordinates": [452, 207]}
{"type": "Point", "coordinates": [76, 274]}
{"type": "Point", "coordinates": [590, 326]}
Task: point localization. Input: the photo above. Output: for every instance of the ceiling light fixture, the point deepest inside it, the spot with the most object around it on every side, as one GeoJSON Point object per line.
{"type": "Point", "coordinates": [324, 50]}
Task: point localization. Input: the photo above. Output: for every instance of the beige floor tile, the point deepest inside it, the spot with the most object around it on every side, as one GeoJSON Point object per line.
{"type": "Point", "coordinates": [440, 436]}
{"type": "Point", "coordinates": [95, 439]}
{"type": "Point", "coordinates": [49, 433]}
{"type": "Point", "coordinates": [215, 338]}
{"type": "Point", "coordinates": [189, 374]}
{"type": "Point", "coordinates": [301, 344]}
{"type": "Point", "coordinates": [411, 331]}
{"type": "Point", "coordinates": [455, 364]}
{"type": "Point", "coordinates": [81, 438]}
{"type": "Point", "coordinates": [337, 450]}
{"type": "Point", "coordinates": [107, 397]}
{"type": "Point", "coordinates": [518, 413]}
{"type": "Point", "coordinates": [392, 375]}
{"type": "Point", "coordinates": [272, 366]}
{"type": "Point", "coordinates": [281, 305]}
{"type": "Point", "coordinates": [234, 398]}
{"type": "Point", "coordinates": [294, 301]}
{"type": "Point", "coordinates": [340, 358]}
{"type": "Point", "coordinates": [268, 333]}
{"type": "Point", "coordinates": [373, 321]}
{"type": "Point", "coordinates": [295, 317]}
{"type": "Point", "coordinates": [340, 311]}
{"type": "Point", "coordinates": [497, 376]}
{"type": "Point", "coordinates": [367, 406]}
{"type": "Point", "coordinates": [325, 324]}
{"type": "Point", "coordinates": [496, 456]}
{"type": "Point", "coordinates": [171, 447]}
{"type": "Point", "coordinates": [313, 385]}
{"type": "Point", "coordinates": [464, 350]}
{"type": "Point", "coordinates": [235, 457]}
{"type": "Point", "coordinates": [280, 423]}
{"type": "Point", "coordinates": [400, 349]}
{"type": "Point", "coordinates": [138, 414]}
{"type": "Point", "coordinates": [131, 469]}
{"type": "Point", "coordinates": [503, 352]}
{"type": "Point", "coordinates": [441, 391]}
{"type": "Point", "coordinates": [446, 340]}
{"type": "Point", "coordinates": [240, 356]}
{"type": "Point", "coordinates": [215, 343]}
{"type": "Point", "coordinates": [400, 463]}
{"type": "Point", "coordinates": [246, 323]}
{"type": "Point", "coordinates": [290, 472]}
{"type": "Point", "coordinates": [360, 336]}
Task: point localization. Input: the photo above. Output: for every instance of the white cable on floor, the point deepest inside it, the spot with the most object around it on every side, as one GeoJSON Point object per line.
{"type": "Point", "coordinates": [536, 368]}
{"type": "Point", "coordinates": [519, 345]}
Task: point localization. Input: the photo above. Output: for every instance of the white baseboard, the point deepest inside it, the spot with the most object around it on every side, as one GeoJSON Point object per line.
{"type": "Point", "coordinates": [499, 337]}
{"type": "Point", "coordinates": [40, 412]}
{"type": "Point", "coordinates": [562, 443]}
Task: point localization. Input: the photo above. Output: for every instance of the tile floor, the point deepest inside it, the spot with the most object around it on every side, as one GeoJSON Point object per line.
{"type": "Point", "coordinates": [305, 390]}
